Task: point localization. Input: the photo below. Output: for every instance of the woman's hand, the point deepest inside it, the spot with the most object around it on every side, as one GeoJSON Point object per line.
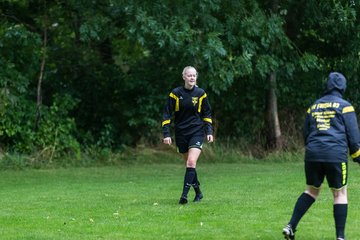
{"type": "Point", "coordinates": [210, 138]}
{"type": "Point", "coordinates": [167, 140]}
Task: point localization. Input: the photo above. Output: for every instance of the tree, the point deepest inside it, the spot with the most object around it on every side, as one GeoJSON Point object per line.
{"type": "Point", "coordinates": [101, 70]}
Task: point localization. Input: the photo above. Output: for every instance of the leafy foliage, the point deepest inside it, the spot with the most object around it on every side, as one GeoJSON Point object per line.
{"type": "Point", "coordinates": [110, 65]}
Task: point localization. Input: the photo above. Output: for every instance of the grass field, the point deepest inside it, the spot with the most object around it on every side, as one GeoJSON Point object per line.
{"type": "Point", "coordinates": [242, 201]}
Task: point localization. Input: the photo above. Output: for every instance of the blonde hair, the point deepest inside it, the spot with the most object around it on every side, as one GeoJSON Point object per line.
{"type": "Point", "coordinates": [187, 68]}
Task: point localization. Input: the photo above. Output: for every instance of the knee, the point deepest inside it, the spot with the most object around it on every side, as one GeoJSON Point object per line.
{"type": "Point", "coordinates": [190, 163]}
{"type": "Point", "coordinates": [192, 157]}
{"type": "Point", "coordinates": [340, 196]}
{"type": "Point", "coordinates": [313, 192]}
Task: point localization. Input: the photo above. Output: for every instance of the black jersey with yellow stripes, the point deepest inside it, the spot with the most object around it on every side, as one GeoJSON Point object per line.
{"type": "Point", "coordinates": [192, 112]}
{"type": "Point", "coordinates": [331, 127]}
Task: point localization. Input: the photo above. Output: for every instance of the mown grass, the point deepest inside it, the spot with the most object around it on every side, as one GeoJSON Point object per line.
{"type": "Point", "coordinates": [140, 201]}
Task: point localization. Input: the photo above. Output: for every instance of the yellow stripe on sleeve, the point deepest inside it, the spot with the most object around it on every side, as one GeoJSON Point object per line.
{"type": "Point", "coordinates": [356, 154]}
{"type": "Point", "coordinates": [348, 109]}
{"type": "Point", "coordinates": [177, 105]}
{"type": "Point", "coordinates": [165, 122]}
{"type": "Point", "coordinates": [207, 120]}
{"type": "Point", "coordinates": [200, 101]}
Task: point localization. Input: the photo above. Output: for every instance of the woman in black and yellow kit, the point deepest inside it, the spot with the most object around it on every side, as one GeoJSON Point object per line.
{"type": "Point", "coordinates": [192, 123]}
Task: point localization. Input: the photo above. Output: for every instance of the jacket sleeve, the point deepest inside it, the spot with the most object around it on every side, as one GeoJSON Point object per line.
{"type": "Point", "coordinates": [206, 114]}
{"type": "Point", "coordinates": [352, 132]}
{"type": "Point", "coordinates": [167, 116]}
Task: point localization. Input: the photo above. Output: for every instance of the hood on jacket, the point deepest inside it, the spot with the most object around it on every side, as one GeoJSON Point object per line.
{"type": "Point", "coordinates": [336, 81]}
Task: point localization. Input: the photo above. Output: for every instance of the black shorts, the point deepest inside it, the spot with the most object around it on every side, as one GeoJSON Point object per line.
{"type": "Point", "coordinates": [336, 174]}
{"type": "Point", "coordinates": [184, 143]}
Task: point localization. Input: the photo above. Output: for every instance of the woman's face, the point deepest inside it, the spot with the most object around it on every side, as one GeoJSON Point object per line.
{"type": "Point", "coordinates": [190, 77]}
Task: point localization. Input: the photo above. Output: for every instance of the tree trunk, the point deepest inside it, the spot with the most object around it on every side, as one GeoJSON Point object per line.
{"type": "Point", "coordinates": [41, 74]}
{"type": "Point", "coordinates": [273, 132]}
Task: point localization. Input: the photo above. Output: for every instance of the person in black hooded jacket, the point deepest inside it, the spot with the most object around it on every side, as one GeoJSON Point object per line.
{"type": "Point", "coordinates": [330, 133]}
